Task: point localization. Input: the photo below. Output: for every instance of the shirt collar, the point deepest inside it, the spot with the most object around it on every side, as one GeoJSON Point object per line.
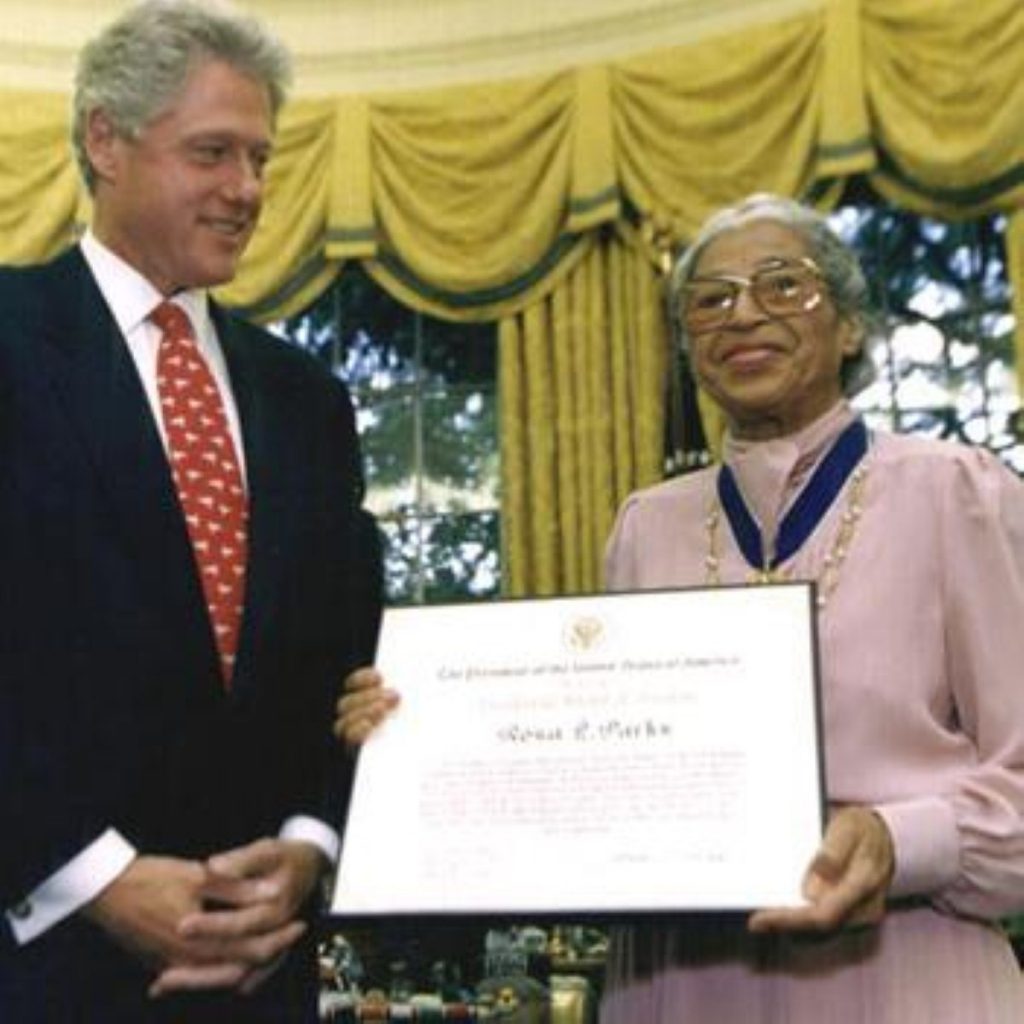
{"type": "Point", "coordinates": [130, 296]}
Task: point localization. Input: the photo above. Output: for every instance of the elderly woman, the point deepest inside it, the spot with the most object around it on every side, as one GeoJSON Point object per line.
{"type": "Point", "coordinates": [917, 548]}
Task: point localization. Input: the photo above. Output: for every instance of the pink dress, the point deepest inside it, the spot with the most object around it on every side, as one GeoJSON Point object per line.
{"type": "Point", "coordinates": [922, 656]}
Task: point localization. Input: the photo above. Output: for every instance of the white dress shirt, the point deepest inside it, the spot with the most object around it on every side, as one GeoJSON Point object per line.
{"type": "Point", "coordinates": [131, 299]}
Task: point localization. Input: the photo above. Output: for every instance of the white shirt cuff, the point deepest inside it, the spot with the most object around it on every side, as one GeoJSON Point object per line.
{"type": "Point", "coordinates": [313, 830]}
{"type": "Point", "coordinates": [69, 888]}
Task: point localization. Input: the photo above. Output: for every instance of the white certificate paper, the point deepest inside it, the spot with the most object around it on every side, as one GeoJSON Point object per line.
{"type": "Point", "coordinates": [641, 752]}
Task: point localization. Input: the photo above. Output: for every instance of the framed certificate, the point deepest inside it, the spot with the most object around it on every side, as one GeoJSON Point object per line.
{"type": "Point", "coordinates": [621, 754]}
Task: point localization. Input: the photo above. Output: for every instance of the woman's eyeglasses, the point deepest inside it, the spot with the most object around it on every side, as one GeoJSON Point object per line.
{"type": "Point", "coordinates": [783, 290]}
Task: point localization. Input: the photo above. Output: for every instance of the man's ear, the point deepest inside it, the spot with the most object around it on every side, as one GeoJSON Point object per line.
{"type": "Point", "coordinates": [101, 142]}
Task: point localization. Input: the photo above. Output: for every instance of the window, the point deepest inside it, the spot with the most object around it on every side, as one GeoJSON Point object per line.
{"type": "Point", "coordinates": [424, 392]}
{"type": "Point", "coordinates": [944, 361]}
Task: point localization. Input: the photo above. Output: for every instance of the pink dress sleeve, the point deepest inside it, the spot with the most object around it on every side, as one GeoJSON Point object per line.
{"type": "Point", "coordinates": [964, 844]}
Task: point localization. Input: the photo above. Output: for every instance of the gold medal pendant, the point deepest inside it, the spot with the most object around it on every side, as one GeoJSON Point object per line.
{"type": "Point", "coordinates": [845, 463]}
{"type": "Point", "coordinates": [768, 576]}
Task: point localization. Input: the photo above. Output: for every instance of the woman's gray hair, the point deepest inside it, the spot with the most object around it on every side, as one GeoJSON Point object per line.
{"type": "Point", "coordinates": [138, 64]}
{"type": "Point", "coordinates": [838, 264]}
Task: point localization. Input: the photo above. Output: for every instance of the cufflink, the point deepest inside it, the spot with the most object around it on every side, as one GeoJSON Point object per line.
{"type": "Point", "coordinates": [21, 911]}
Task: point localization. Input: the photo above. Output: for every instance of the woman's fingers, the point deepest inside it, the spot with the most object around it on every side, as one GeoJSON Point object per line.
{"type": "Point", "coordinates": [364, 704]}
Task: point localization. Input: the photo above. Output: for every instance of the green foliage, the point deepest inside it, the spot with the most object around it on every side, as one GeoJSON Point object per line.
{"type": "Point", "coordinates": [456, 557]}
{"type": "Point", "coordinates": [945, 361]}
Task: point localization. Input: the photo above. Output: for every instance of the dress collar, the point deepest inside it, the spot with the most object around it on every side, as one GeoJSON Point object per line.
{"type": "Point", "coordinates": [769, 473]}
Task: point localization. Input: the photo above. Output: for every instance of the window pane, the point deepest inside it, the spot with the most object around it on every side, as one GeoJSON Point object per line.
{"type": "Point", "coordinates": [442, 558]}
{"type": "Point", "coordinates": [459, 353]}
{"type": "Point", "coordinates": [461, 556]}
{"type": "Point", "coordinates": [401, 558]}
{"type": "Point", "coordinates": [460, 451]}
{"type": "Point", "coordinates": [376, 334]}
{"type": "Point", "coordinates": [945, 359]}
{"type": "Point", "coordinates": [314, 330]}
{"type": "Point", "coordinates": [386, 433]}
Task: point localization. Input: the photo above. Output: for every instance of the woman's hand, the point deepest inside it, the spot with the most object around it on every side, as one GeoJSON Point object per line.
{"type": "Point", "coordinates": [847, 881]}
{"type": "Point", "coordinates": [364, 704]}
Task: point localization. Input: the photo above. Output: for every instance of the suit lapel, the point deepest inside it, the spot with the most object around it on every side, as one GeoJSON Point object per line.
{"type": "Point", "coordinates": [96, 381]}
{"type": "Point", "coordinates": [266, 463]}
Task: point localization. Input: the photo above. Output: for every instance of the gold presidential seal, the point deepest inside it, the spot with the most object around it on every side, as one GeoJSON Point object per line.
{"type": "Point", "coordinates": [584, 633]}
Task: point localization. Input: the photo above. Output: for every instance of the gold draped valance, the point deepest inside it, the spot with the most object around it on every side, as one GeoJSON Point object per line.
{"type": "Point", "coordinates": [468, 200]}
{"type": "Point", "coordinates": [513, 199]}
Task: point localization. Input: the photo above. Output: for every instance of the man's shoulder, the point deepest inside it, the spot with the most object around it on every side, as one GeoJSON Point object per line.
{"type": "Point", "coordinates": [67, 264]}
{"type": "Point", "coordinates": [235, 329]}
{"type": "Point", "coordinates": [42, 284]}
{"type": "Point", "coordinates": [270, 355]}
{"type": "Point", "coordinates": [45, 296]}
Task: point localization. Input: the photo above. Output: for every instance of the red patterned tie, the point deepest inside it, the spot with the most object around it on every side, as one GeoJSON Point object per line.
{"type": "Point", "coordinates": [206, 473]}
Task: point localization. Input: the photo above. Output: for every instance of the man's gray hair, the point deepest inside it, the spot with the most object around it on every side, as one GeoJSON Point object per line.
{"type": "Point", "coordinates": [838, 264]}
{"type": "Point", "coordinates": [139, 63]}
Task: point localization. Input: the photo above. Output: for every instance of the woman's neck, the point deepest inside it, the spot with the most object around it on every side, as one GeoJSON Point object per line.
{"type": "Point", "coordinates": [770, 427]}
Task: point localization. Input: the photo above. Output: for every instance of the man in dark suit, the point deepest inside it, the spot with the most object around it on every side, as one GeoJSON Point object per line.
{"type": "Point", "coordinates": [180, 582]}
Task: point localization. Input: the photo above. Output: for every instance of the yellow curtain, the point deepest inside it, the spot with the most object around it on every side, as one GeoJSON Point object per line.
{"type": "Point", "coordinates": [470, 201]}
{"type": "Point", "coordinates": [287, 265]}
{"type": "Point", "coordinates": [39, 186]}
{"type": "Point", "coordinates": [701, 126]}
{"type": "Point", "coordinates": [469, 198]}
{"type": "Point", "coordinates": [1015, 266]}
{"type": "Point", "coordinates": [582, 375]}
{"type": "Point", "coordinates": [945, 83]}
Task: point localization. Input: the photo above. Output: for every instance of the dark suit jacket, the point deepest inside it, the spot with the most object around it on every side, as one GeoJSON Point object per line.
{"type": "Point", "coordinates": [112, 712]}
